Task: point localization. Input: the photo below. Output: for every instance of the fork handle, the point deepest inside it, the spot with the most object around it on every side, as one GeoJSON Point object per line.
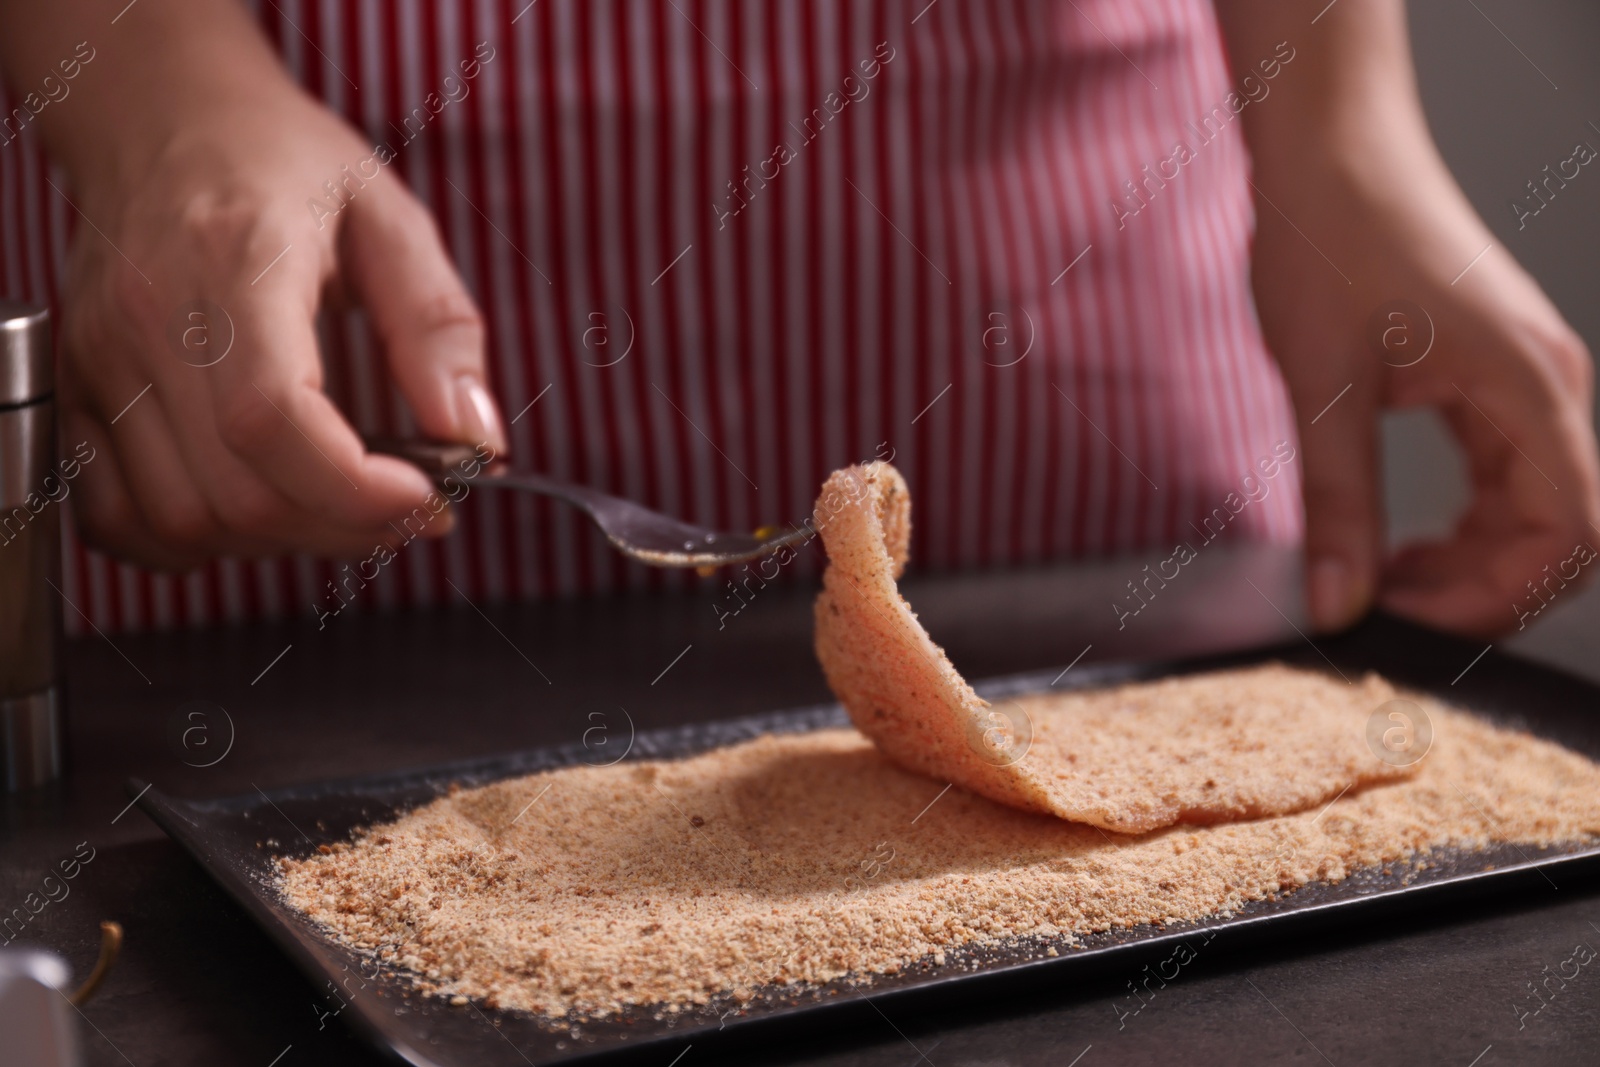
{"type": "Point", "coordinates": [436, 458]}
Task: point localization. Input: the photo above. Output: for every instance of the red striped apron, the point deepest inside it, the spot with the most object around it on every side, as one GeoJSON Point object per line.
{"type": "Point", "coordinates": [725, 246]}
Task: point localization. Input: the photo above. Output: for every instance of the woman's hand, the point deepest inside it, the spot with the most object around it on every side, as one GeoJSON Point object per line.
{"type": "Point", "coordinates": [1355, 213]}
{"type": "Point", "coordinates": [1485, 347]}
{"type": "Point", "coordinates": [189, 352]}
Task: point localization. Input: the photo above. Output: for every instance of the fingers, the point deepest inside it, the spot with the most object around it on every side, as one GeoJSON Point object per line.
{"type": "Point", "coordinates": [272, 414]}
{"type": "Point", "coordinates": [1338, 441]}
{"type": "Point", "coordinates": [152, 468]}
{"type": "Point", "coordinates": [432, 332]}
{"type": "Point", "coordinates": [255, 518]}
{"type": "Point", "coordinates": [148, 498]}
{"type": "Point", "coordinates": [107, 517]}
{"type": "Point", "coordinates": [1536, 502]}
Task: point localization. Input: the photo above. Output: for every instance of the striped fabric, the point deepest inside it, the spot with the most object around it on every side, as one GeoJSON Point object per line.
{"type": "Point", "coordinates": [725, 246]}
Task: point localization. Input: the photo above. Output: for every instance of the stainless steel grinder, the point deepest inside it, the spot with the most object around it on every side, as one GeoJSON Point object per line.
{"type": "Point", "coordinates": [31, 491]}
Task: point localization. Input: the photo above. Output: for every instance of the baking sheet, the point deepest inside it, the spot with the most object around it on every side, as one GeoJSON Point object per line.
{"type": "Point", "coordinates": [237, 838]}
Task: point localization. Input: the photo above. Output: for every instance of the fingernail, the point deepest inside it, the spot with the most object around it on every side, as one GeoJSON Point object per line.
{"type": "Point", "coordinates": [1329, 591]}
{"type": "Point", "coordinates": [476, 417]}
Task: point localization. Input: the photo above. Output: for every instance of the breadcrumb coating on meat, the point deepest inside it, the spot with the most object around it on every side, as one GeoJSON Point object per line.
{"type": "Point", "coordinates": [1241, 744]}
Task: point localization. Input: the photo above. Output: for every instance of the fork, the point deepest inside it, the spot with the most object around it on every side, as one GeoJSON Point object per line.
{"type": "Point", "coordinates": [634, 530]}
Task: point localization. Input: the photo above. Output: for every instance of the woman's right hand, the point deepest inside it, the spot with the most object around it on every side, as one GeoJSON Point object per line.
{"type": "Point", "coordinates": [189, 351]}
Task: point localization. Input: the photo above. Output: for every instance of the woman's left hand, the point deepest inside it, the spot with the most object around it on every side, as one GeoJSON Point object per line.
{"type": "Point", "coordinates": [1379, 287]}
{"type": "Point", "coordinates": [1355, 212]}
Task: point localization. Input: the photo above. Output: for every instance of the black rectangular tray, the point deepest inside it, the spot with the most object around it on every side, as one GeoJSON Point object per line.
{"type": "Point", "coordinates": [236, 839]}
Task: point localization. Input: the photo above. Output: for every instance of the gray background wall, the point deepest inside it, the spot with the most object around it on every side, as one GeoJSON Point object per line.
{"type": "Point", "coordinates": [1487, 87]}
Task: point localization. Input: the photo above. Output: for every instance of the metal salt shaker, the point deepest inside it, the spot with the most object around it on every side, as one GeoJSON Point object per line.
{"type": "Point", "coordinates": [31, 489]}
